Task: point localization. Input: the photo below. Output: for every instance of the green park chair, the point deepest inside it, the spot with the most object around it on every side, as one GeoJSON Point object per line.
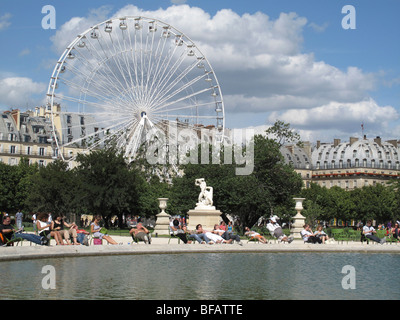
{"type": "Point", "coordinates": [339, 235]}
{"type": "Point", "coordinates": [354, 235]}
{"type": "Point", "coordinates": [6, 243]}
{"type": "Point", "coordinates": [381, 233]}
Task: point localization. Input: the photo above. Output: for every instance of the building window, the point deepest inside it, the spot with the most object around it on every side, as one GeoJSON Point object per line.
{"type": "Point", "coordinates": [12, 149]}
{"type": "Point", "coordinates": [41, 151]}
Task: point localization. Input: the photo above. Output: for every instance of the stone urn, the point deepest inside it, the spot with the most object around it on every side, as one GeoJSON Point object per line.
{"type": "Point", "coordinates": [299, 219]}
{"type": "Point", "coordinates": [163, 218]}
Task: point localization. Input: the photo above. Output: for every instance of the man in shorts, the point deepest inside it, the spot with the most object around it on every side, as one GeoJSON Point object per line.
{"type": "Point", "coordinates": [140, 233]}
{"type": "Point", "coordinates": [276, 230]}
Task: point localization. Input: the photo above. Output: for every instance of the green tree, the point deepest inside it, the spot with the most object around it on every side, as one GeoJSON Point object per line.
{"type": "Point", "coordinates": [15, 185]}
{"type": "Point", "coordinates": [283, 134]}
{"type": "Point", "coordinates": [109, 186]}
{"type": "Point", "coordinates": [8, 185]}
{"type": "Point", "coordinates": [53, 189]}
{"type": "Point", "coordinates": [374, 203]}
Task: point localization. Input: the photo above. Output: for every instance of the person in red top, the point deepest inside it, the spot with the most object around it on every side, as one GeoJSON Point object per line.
{"type": "Point", "coordinates": [81, 233]}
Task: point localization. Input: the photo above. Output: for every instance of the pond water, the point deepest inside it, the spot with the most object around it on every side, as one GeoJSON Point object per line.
{"type": "Point", "coordinates": [208, 276]}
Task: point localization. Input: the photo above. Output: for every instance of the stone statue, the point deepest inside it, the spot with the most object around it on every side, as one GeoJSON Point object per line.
{"type": "Point", "coordinates": [206, 193]}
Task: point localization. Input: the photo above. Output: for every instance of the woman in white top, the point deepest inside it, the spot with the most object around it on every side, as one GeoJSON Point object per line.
{"type": "Point", "coordinates": [308, 235]}
{"type": "Point", "coordinates": [95, 230]}
{"type": "Point", "coordinates": [321, 234]}
{"type": "Point", "coordinates": [43, 228]}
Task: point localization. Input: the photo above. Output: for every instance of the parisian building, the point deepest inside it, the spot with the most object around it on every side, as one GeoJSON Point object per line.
{"type": "Point", "coordinates": [350, 164]}
{"type": "Point", "coordinates": [29, 134]}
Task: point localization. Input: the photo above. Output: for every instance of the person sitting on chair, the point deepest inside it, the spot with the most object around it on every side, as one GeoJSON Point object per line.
{"type": "Point", "coordinates": [11, 234]}
{"type": "Point", "coordinates": [369, 231]}
{"type": "Point", "coordinates": [200, 235]}
{"type": "Point", "coordinates": [321, 234]}
{"type": "Point", "coordinates": [276, 230]}
{"type": "Point", "coordinates": [308, 235]}
{"type": "Point", "coordinates": [227, 235]}
{"type": "Point", "coordinates": [95, 229]}
{"type": "Point", "coordinates": [140, 233]}
{"type": "Point", "coordinates": [395, 232]}
{"type": "Point", "coordinates": [179, 231]}
{"type": "Point", "coordinates": [252, 234]}
{"type": "Point", "coordinates": [43, 227]}
{"type": "Point", "coordinates": [59, 224]}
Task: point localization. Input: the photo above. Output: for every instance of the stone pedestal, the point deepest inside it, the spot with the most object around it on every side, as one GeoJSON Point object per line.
{"type": "Point", "coordinates": [162, 222]}
{"type": "Point", "coordinates": [299, 219]}
{"type": "Point", "coordinates": [207, 216]}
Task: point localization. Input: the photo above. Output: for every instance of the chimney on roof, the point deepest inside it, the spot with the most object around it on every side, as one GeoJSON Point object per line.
{"type": "Point", "coordinates": [318, 144]}
{"type": "Point", "coordinates": [307, 148]}
{"type": "Point", "coordinates": [378, 140]}
{"type": "Point", "coordinates": [352, 140]}
{"type": "Point", "coordinates": [336, 142]}
{"type": "Point", "coordinates": [393, 142]}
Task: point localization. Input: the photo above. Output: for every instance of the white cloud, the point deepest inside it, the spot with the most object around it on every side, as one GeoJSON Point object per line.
{"type": "Point", "coordinates": [318, 28]}
{"type": "Point", "coordinates": [20, 91]}
{"type": "Point", "coordinates": [4, 21]}
{"type": "Point", "coordinates": [24, 52]}
{"type": "Point", "coordinates": [77, 25]}
{"type": "Point", "coordinates": [337, 116]}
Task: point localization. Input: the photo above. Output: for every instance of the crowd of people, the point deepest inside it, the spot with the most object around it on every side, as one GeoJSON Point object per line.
{"type": "Point", "coordinates": [367, 232]}
{"type": "Point", "coordinates": [221, 233]}
{"type": "Point", "coordinates": [46, 227]}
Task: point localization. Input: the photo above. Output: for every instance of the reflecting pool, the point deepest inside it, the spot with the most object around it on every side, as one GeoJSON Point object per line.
{"type": "Point", "coordinates": [205, 276]}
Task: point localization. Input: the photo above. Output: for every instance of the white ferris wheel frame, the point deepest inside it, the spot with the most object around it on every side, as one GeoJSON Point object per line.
{"type": "Point", "coordinates": [135, 139]}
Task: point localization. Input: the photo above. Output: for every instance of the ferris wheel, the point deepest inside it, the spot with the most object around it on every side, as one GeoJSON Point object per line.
{"type": "Point", "coordinates": [125, 76]}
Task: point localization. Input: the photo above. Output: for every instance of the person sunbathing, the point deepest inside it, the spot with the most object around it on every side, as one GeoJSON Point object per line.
{"type": "Point", "coordinates": [252, 234]}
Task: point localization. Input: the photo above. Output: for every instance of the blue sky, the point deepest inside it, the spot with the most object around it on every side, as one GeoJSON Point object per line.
{"type": "Point", "coordinates": [325, 84]}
